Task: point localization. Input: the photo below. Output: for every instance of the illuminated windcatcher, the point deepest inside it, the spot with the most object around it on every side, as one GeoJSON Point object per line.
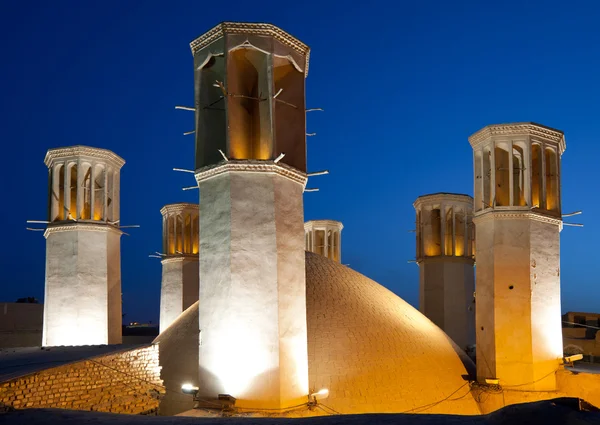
{"type": "Point", "coordinates": [444, 225]}
{"type": "Point", "coordinates": [180, 278]}
{"type": "Point", "coordinates": [324, 237]}
{"type": "Point", "coordinates": [518, 221]}
{"type": "Point", "coordinates": [83, 255]}
{"type": "Point", "coordinates": [445, 255]}
{"type": "Point", "coordinates": [250, 97]}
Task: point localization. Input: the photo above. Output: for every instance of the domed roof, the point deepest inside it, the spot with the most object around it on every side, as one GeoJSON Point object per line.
{"type": "Point", "coordinates": [371, 349]}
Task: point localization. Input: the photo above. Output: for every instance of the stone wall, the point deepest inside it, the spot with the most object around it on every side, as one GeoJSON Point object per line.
{"type": "Point", "coordinates": [125, 382]}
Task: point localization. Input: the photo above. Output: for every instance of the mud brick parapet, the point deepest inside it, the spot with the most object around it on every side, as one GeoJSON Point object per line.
{"type": "Point", "coordinates": [124, 382]}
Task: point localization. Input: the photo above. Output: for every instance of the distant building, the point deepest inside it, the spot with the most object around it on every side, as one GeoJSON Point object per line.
{"type": "Point", "coordinates": [580, 335]}
{"type": "Point", "coordinates": [21, 324]}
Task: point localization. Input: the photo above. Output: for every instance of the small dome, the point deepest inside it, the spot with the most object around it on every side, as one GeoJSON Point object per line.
{"type": "Point", "coordinates": [371, 349]}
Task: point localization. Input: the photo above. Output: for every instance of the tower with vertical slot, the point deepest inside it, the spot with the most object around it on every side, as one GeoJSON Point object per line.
{"type": "Point", "coordinates": [251, 172]}
{"type": "Point", "coordinates": [82, 301]}
{"type": "Point", "coordinates": [324, 237]}
{"type": "Point", "coordinates": [179, 285]}
{"type": "Point", "coordinates": [445, 255]}
{"type": "Point", "coordinates": [518, 221]}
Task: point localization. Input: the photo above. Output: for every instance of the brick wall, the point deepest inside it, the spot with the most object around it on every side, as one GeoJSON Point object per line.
{"type": "Point", "coordinates": [125, 382]}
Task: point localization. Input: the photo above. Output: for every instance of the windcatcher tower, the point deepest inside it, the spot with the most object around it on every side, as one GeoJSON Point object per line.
{"type": "Point", "coordinates": [324, 237]}
{"type": "Point", "coordinates": [82, 302]}
{"type": "Point", "coordinates": [179, 287]}
{"type": "Point", "coordinates": [518, 220]}
{"type": "Point", "coordinates": [251, 171]}
{"type": "Point", "coordinates": [445, 253]}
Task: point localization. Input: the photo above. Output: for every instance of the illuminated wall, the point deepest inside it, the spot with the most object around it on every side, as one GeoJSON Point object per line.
{"type": "Point", "coordinates": [518, 220]}
{"type": "Point", "coordinates": [180, 278]}
{"type": "Point", "coordinates": [445, 255]}
{"type": "Point", "coordinates": [324, 237]}
{"type": "Point", "coordinates": [82, 303]}
{"type": "Point", "coordinates": [250, 109]}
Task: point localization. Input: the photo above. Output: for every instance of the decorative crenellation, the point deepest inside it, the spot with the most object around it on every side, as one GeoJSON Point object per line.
{"type": "Point", "coordinates": [519, 129]}
{"type": "Point", "coordinates": [261, 29]}
{"type": "Point", "coordinates": [124, 382]}
{"type": "Point", "coordinates": [252, 166]}
{"type": "Point", "coordinates": [87, 227]}
{"type": "Point", "coordinates": [444, 226]}
{"type": "Point", "coordinates": [181, 229]}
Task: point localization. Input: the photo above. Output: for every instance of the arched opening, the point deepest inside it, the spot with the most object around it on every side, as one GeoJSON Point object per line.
{"type": "Point", "coordinates": [336, 243]}
{"type": "Point", "coordinates": [99, 193]}
{"type": "Point", "coordinates": [86, 208]}
{"type": "Point", "coordinates": [502, 198]}
{"type": "Point", "coordinates": [178, 234]}
{"type": "Point", "coordinates": [536, 175]}
{"type": "Point", "coordinates": [449, 232]}
{"type": "Point", "coordinates": [211, 124]}
{"type": "Point", "coordinates": [330, 244]}
{"type": "Point", "coordinates": [459, 233]}
{"type": "Point", "coordinates": [195, 233]}
{"type": "Point", "coordinates": [434, 245]}
{"type": "Point", "coordinates": [320, 242]}
{"type": "Point", "coordinates": [487, 178]}
{"type": "Point", "coordinates": [187, 243]}
{"type": "Point", "coordinates": [551, 180]}
{"type": "Point", "coordinates": [478, 160]}
{"type": "Point", "coordinates": [419, 232]}
{"type": "Point", "coordinates": [248, 110]}
{"type": "Point", "coordinates": [518, 164]}
{"type": "Point", "coordinates": [57, 198]}
{"type": "Point", "coordinates": [170, 235]}
{"type": "Point", "coordinates": [73, 191]}
{"type": "Point", "coordinates": [109, 195]}
{"type": "Point", "coordinates": [289, 112]}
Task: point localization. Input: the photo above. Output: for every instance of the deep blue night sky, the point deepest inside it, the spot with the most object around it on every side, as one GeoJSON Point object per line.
{"type": "Point", "coordinates": [403, 85]}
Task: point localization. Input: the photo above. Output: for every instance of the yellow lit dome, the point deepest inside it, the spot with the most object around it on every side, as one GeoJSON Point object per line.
{"type": "Point", "coordinates": [371, 349]}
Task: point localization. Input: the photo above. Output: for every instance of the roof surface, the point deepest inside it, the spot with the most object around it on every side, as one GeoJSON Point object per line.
{"type": "Point", "coordinates": [371, 349]}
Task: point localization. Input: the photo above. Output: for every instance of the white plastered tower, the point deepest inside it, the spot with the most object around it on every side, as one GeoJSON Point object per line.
{"type": "Point", "coordinates": [518, 221]}
{"type": "Point", "coordinates": [82, 302]}
{"type": "Point", "coordinates": [251, 172]}
{"type": "Point", "coordinates": [445, 255]}
{"type": "Point", "coordinates": [179, 285]}
{"type": "Point", "coordinates": [324, 237]}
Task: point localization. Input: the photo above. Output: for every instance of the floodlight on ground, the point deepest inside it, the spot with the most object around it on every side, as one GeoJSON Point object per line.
{"type": "Point", "coordinates": [571, 359]}
{"type": "Point", "coordinates": [189, 389]}
{"type": "Point", "coordinates": [492, 381]}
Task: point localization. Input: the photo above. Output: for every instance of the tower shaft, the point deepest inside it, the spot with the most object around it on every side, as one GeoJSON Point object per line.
{"type": "Point", "coordinates": [253, 337]}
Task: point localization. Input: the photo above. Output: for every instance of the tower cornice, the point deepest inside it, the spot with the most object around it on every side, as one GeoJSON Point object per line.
{"type": "Point", "coordinates": [86, 227]}
{"type": "Point", "coordinates": [486, 215]}
{"type": "Point", "coordinates": [83, 151]}
{"type": "Point", "coordinates": [260, 29]}
{"type": "Point", "coordinates": [320, 223]}
{"type": "Point", "coordinates": [519, 129]}
{"type": "Point", "coordinates": [178, 208]}
{"type": "Point", "coordinates": [453, 198]}
{"type": "Point", "coordinates": [251, 166]}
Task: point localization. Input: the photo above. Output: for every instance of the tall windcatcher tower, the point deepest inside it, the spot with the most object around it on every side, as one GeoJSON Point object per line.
{"type": "Point", "coordinates": [518, 221]}
{"type": "Point", "coordinates": [251, 171]}
{"type": "Point", "coordinates": [445, 255]}
{"type": "Point", "coordinates": [82, 302]}
{"type": "Point", "coordinates": [179, 286]}
{"type": "Point", "coordinates": [324, 237]}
